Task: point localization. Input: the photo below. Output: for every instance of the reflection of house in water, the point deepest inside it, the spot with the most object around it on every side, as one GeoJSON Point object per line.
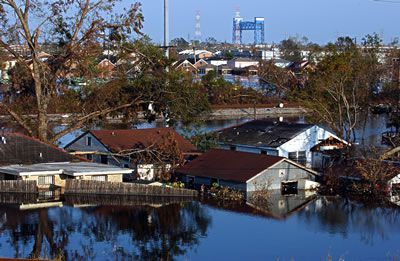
{"type": "Point", "coordinates": [277, 206]}
{"type": "Point", "coordinates": [282, 206]}
{"type": "Point", "coordinates": [21, 201]}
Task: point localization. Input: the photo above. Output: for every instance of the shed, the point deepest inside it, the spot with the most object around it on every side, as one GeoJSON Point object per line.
{"type": "Point", "coordinates": [246, 172]}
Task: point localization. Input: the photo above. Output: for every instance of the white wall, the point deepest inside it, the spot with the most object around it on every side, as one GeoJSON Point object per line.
{"type": "Point", "coordinates": [304, 142]}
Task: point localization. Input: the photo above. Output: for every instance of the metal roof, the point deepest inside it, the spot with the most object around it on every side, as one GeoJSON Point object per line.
{"type": "Point", "coordinates": [262, 133]}
{"type": "Point", "coordinates": [68, 168]}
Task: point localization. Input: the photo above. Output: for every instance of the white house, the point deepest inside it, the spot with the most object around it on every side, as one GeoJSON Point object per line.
{"type": "Point", "coordinates": [239, 63]}
{"type": "Point", "coordinates": [294, 141]}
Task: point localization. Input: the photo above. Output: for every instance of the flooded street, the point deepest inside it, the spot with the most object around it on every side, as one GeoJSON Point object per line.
{"type": "Point", "coordinates": [302, 227]}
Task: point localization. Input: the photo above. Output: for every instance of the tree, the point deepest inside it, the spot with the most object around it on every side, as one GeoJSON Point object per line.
{"type": "Point", "coordinates": [180, 43]}
{"type": "Point", "coordinates": [340, 87]}
{"type": "Point", "coordinates": [280, 79]}
{"type": "Point", "coordinates": [291, 49]}
{"type": "Point", "coordinates": [63, 46]}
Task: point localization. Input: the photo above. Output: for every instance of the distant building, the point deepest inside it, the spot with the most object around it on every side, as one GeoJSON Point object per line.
{"type": "Point", "coordinates": [291, 140]}
{"type": "Point", "coordinates": [185, 66]}
{"type": "Point", "coordinates": [247, 172]}
{"type": "Point", "coordinates": [206, 69]}
{"type": "Point", "coordinates": [239, 63]}
{"type": "Point", "coordinates": [106, 68]}
{"type": "Point", "coordinates": [103, 146]}
{"type": "Point", "coordinates": [218, 62]}
{"type": "Point", "coordinates": [201, 54]}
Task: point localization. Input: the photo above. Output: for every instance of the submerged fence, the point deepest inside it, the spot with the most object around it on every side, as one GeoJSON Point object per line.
{"type": "Point", "coordinates": [119, 188]}
{"type": "Point", "coordinates": [18, 186]}
{"type": "Point", "coordinates": [121, 200]}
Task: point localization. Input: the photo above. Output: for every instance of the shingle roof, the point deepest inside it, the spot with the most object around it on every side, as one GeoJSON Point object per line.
{"type": "Point", "coordinates": [17, 148]}
{"type": "Point", "coordinates": [262, 133]}
{"type": "Point", "coordinates": [119, 140]}
{"type": "Point", "coordinates": [229, 165]}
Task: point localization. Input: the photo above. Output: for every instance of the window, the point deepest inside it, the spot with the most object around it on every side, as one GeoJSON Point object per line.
{"type": "Point", "coordinates": [89, 141]}
{"type": "Point", "coordinates": [89, 157]}
{"type": "Point", "coordinates": [264, 152]}
{"type": "Point", "coordinates": [298, 156]}
{"type": "Point", "coordinates": [45, 180]}
{"type": "Point", "coordinates": [104, 159]}
{"type": "Point", "coordinates": [233, 148]}
{"type": "Point", "coordinates": [99, 178]}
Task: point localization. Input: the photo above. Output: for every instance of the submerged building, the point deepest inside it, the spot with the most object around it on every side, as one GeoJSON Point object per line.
{"type": "Point", "coordinates": [247, 172]}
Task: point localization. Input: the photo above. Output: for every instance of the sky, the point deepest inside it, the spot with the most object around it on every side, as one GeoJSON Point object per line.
{"type": "Point", "coordinates": [321, 21]}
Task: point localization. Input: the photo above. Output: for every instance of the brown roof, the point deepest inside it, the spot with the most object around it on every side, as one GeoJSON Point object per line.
{"type": "Point", "coordinates": [119, 140]}
{"type": "Point", "coordinates": [17, 148]}
{"type": "Point", "coordinates": [229, 165]}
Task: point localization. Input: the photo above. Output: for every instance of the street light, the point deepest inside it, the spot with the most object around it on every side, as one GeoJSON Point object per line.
{"type": "Point", "coordinates": [166, 29]}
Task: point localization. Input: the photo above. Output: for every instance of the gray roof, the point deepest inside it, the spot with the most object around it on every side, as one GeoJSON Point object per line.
{"type": "Point", "coordinates": [17, 148]}
{"type": "Point", "coordinates": [68, 168]}
{"type": "Point", "coordinates": [262, 133]}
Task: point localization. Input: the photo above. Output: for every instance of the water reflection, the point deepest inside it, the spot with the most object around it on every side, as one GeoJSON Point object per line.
{"type": "Point", "coordinates": [338, 216]}
{"type": "Point", "coordinates": [145, 231]}
{"type": "Point", "coordinates": [100, 227]}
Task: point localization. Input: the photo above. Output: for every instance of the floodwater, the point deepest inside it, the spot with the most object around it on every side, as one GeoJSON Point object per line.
{"type": "Point", "coordinates": [368, 135]}
{"type": "Point", "coordinates": [301, 227]}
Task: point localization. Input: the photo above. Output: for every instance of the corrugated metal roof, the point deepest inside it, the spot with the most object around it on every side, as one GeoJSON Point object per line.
{"type": "Point", "coordinates": [119, 140]}
{"type": "Point", "coordinates": [229, 165]}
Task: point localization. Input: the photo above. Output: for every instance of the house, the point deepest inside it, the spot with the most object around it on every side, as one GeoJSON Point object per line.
{"type": "Point", "coordinates": [107, 147]}
{"type": "Point", "coordinates": [201, 54]}
{"type": "Point", "coordinates": [290, 140]}
{"type": "Point", "coordinates": [106, 68]}
{"type": "Point", "coordinates": [239, 63]}
{"type": "Point", "coordinates": [25, 158]}
{"type": "Point", "coordinates": [247, 172]}
{"type": "Point", "coordinates": [327, 152]}
{"type": "Point", "coordinates": [206, 69]}
{"type": "Point", "coordinates": [217, 61]}
{"type": "Point", "coordinates": [224, 70]}
{"type": "Point", "coordinates": [52, 175]}
{"type": "Point", "coordinates": [185, 65]}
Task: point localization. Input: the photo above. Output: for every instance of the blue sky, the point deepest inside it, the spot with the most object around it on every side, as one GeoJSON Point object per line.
{"type": "Point", "coordinates": [320, 20]}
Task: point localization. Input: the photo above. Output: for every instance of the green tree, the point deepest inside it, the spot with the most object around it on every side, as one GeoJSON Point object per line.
{"type": "Point", "coordinates": [340, 87]}
{"type": "Point", "coordinates": [180, 43]}
{"type": "Point", "coordinates": [71, 33]}
{"type": "Point", "coordinates": [291, 49]}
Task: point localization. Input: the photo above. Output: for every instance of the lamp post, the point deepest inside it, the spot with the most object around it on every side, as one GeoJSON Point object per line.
{"type": "Point", "coordinates": [166, 28]}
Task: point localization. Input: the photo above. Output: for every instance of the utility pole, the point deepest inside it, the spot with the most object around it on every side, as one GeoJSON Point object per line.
{"type": "Point", "coordinates": [166, 28]}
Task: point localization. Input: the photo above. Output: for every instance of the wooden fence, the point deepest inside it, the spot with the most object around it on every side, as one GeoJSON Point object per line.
{"type": "Point", "coordinates": [121, 200]}
{"type": "Point", "coordinates": [18, 186]}
{"type": "Point", "coordinates": [18, 198]}
{"type": "Point", "coordinates": [119, 188]}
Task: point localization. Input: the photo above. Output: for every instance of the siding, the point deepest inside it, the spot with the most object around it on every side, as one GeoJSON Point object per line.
{"type": "Point", "coordinates": [272, 179]}
{"type": "Point", "coordinates": [304, 142]}
{"type": "Point", "coordinates": [97, 146]}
